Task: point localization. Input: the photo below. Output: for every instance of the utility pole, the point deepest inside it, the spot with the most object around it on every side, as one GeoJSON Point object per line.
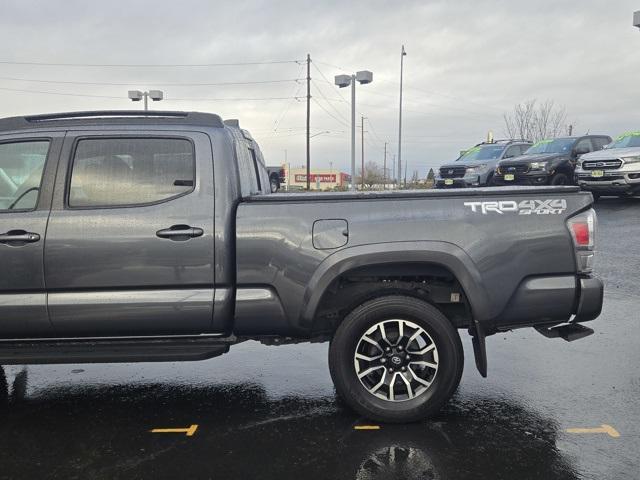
{"type": "Point", "coordinates": [405, 174]}
{"type": "Point", "coordinates": [393, 169]}
{"type": "Point", "coordinates": [308, 120]}
{"type": "Point", "coordinates": [384, 168]}
{"type": "Point", "coordinates": [570, 129]}
{"type": "Point", "coordinates": [362, 151]}
{"type": "Point", "coordinates": [402, 54]}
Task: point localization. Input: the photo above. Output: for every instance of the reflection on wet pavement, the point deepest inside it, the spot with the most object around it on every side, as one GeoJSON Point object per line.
{"type": "Point", "coordinates": [101, 431]}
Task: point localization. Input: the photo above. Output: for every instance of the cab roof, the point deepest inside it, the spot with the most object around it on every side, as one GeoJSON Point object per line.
{"type": "Point", "coordinates": [111, 117]}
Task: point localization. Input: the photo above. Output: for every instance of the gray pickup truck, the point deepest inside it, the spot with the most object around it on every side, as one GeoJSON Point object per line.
{"type": "Point", "coordinates": [131, 236]}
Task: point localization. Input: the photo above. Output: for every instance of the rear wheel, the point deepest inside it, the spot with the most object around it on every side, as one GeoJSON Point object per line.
{"type": "Point", "coordinates": [560, 179]}
{"type": "Point", "coordinates": [396, 359]}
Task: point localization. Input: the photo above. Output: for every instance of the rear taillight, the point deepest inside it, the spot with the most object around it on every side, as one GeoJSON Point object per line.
{"type": "Point", "coordinates": [582, 228]}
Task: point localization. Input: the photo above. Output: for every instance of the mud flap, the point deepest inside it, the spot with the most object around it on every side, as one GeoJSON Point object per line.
{"type": "Point", "coordinates": [479, 348]}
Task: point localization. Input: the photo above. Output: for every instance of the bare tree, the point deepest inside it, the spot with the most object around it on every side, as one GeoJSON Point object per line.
{"type": "Point", "coordinates": [550, 120]}
{"type": "Point", "coordinates": [373, 175]}
{"type": "Point", "coordinates": [535, 121]}
{"type": "Point", "coordinates": [520, 123]}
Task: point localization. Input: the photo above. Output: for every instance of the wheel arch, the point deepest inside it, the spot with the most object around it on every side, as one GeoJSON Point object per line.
{"type": "Point", "coordinates": [429, 256]}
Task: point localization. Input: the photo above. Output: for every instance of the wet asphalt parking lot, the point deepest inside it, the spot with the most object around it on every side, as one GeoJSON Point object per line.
{"type": "Point", "coordinates": [271, 412]}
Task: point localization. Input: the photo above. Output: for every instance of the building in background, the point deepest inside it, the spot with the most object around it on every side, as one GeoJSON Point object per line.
{"type": "Point", "coordinates": [321, 179]}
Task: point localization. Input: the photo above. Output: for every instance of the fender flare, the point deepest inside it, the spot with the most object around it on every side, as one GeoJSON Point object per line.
{"type": "Point", "coordinates": [439, 253]}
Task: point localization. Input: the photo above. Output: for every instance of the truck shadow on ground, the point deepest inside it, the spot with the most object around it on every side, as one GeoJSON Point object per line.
{"type": "Point", "coordinates": [103, 431]}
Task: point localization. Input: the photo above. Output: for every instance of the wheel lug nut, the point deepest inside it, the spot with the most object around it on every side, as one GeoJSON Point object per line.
{"type": "Point", "coordinates": [404, 369]}
{"type": "Point", "coordinates": [383, 360]}
{"type": "Point", "coordinates": [387, 349]}
{"type": "Point", "coordinates": [390, 370]}
{"type": "Point", "coordinates": [399, 348]}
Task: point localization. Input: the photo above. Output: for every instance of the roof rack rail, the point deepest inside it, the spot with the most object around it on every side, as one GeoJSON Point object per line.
{"type": "Point", "coordinates": [104, 113]}
{"type": "Point", "coordinates": [209, 119]}
{"type": "Point", "coordinates": [505, 141]}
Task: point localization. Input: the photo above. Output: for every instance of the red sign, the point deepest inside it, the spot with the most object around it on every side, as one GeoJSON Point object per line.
{"type": "Point", "coordinates": [323, 178]}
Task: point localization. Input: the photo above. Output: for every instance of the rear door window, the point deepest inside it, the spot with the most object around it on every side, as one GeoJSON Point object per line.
{"type": "Point", "coordinates": [112, 172]}
{"type": "Point", "coordinates": [21, 167]}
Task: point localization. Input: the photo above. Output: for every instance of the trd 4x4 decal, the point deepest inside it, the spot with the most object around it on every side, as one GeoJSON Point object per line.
{"type": "Point", "coordinates": [553, 206]}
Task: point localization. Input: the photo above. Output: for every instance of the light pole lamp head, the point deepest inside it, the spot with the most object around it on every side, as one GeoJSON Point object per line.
{"type": "Point", "coordinates": [135, 95]}
{"type": "Point", "coordinates": [636, 19]}
{"type": "Point", "coordinates": [156, 95]}
{"type": "Point", "coordinates": [343, 80]}
{"type": "Point", "coordinates": [364, 77]}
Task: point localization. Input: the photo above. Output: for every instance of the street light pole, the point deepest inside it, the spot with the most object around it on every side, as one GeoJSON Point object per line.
{"type": "Point", "coordinates": [402, 54]}
{"type": "Point", "coordinates": [362, 151]}
{"type": "Point", "coordinates": [353, 132]}
{"type": "Point", "coordinates": [363, 77]}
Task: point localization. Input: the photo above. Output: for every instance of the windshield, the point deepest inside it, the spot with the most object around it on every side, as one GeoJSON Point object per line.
{"type": "Point", "coordinates": [478, 154]}
{"type": "Point", "coordinates": [556, 145]}
{"type": "Point", "coordinates": [626, 140]}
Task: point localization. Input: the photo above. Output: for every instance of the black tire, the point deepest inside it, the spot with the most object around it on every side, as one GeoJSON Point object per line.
{"type": "Point", "coordinates": [560, 179]}
{"type": "Point", "coordinates": [440, 330]}
{"type": "Point", "coordinates": [596, 196]}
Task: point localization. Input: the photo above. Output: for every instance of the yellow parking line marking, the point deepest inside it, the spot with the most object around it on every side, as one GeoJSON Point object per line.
{"type": "Point", "coordinates": [367, 427]}
{"type": "Point", "coordinates": [608, 429]}
{"type": "Point", "coordinates": [190, 431]}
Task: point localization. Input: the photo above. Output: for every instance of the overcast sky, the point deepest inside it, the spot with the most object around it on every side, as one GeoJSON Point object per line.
{"type": "Point", "coordinates": [467, 62]}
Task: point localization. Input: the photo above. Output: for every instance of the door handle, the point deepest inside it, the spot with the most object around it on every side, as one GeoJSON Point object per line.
{"type": "Point", "coordinates": [19, 237]}
{"type": "Point", "coordinates": [180, 232]}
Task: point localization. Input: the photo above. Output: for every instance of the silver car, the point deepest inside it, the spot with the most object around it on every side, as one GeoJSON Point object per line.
{"type": "Point", "coordinates": [614, 170]}
{"type": "Point", "coordinates": [475, 167]}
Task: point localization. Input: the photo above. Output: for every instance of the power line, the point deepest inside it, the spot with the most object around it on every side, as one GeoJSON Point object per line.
{"type": "Point", "coordinates": [180, 84]}
{"type": "Point", "coordinates": [60, 93]}
{"type": "Point", "coordinates": [167, 99]}
{"type": "Point", "coordinates": [287, 107]}
{"type": "Point", "coordinates": [328, 103]}
{"type": "Point", "coordinates": [152, 65]}
{"type": "Point", "coordinates": [344, 124]}
{"type": "Point", "coordinates": [428, 92]}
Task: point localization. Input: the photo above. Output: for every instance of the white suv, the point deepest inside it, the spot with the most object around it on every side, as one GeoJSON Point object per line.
{"type": "Point", "coordinates": [614, 170]}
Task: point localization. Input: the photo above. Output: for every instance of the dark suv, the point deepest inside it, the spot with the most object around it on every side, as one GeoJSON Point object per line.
{"type": "Point", "coordinates": [475, 167]}
{"type": "Point", "coordinates": [548, 162]}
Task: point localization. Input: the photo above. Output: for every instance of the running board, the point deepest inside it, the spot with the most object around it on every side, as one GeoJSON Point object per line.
{"type": "Point", "coordinates": [112, 350]}
{"type": "Point", "coordinates": [568, 332]}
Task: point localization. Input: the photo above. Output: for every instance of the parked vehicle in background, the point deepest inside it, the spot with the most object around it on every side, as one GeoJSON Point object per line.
{"type": "Point", "coordinates": [548, 162]}
{"type": "Point", "coordinates": [476, 166]}
{"type": "Point", "coordinates": [614, 170]}
{"type": "Point", "coordinates": [276, 177]}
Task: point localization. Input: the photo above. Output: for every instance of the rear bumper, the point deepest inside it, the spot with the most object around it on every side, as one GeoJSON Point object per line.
{"type": "Point", "coordinates": [549, 300]}
{"type": "Point", "coordinates": [590, 299]}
